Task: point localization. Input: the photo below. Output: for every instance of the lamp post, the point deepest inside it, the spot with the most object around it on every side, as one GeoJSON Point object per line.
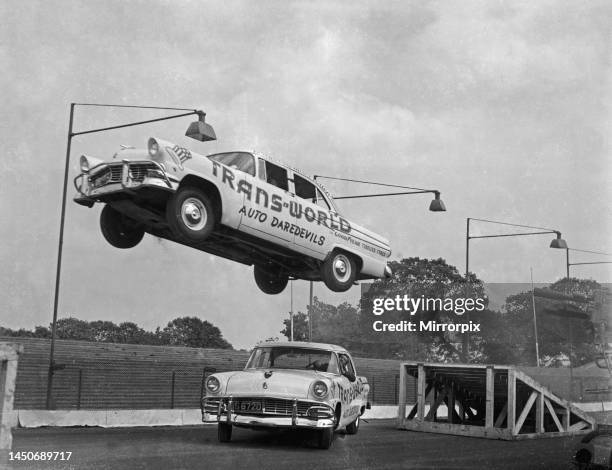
{"type": "Point", "coordinates": [198, 130]}
{"type": "Point", "coordinates": [557, 242]}
{"type": "Point", "coordinates": [567, 258]}
{"type": "Point", "coordinates": [436, 205]}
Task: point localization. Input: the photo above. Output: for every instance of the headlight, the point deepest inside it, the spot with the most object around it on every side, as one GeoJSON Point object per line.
{"type": "Point", "coordinates": [86, 163]}
{"type": "Point", "coordinates": [319, 389]}
{"type": "Point", "coordinates": [212, 384]}
{"type": "Point", "coordinates": [153, 147]}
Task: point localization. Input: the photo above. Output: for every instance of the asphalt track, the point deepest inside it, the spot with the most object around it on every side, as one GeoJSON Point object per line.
{"type": "Point", "coordinates": [378, 445]}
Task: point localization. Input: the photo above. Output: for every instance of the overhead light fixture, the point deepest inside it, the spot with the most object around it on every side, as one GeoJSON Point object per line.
{"type": "Point", "coordinates": [437, 205]}
{"type": "Point", "coordinates": [200, 130]}
{"type": "Point", "coordinates": [558, 242]}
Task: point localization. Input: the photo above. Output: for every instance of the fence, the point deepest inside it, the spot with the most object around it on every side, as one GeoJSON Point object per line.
{"type": "Point", "coordinates": [126, 376]}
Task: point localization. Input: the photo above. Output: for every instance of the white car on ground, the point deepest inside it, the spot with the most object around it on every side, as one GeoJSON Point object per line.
{"type": "Point", "coordinates": [292, 385]}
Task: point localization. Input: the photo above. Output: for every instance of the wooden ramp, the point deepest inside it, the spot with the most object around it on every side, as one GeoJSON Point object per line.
{"type": "Point", "coordinates": [492, 401]}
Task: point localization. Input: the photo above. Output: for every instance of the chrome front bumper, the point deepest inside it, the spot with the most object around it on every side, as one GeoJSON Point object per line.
{"type": "Point", "coordinates": [121, 176]}
{"type": "Point", "coordinates": [318, 416]}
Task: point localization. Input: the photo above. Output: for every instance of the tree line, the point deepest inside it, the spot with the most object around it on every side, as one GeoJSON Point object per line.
{"type": "Point", "coordinates": [182, 331]}
{"type": "Point", "coordinates": [506, 336]}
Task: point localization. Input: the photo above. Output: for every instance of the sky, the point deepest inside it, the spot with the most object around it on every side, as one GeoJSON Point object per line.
{"type": "Point", "coordinates": [504, 107]}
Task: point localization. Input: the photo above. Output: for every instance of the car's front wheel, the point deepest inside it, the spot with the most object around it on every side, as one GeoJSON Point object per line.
{"type": "Point", "coordinates": [190, 215]}
{"type": "Point", "coordinates": [339, 271]}
{"type": "Point", "coordinates": [224, 432]}
{"type": "Point", "coordinates": [353, 427]}
{"type": "Point", "coordinates": [270, 282]}
{"type": "Point", "coordinates": [325, 438]}
{"type": "Point", "coordinates": [118, 229]}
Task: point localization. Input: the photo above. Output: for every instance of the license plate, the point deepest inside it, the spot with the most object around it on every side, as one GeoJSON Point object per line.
{"type": "Point", "coordinates": [250, 406]}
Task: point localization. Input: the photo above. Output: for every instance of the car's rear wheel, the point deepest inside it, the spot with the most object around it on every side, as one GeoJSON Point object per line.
{"type": "Point", "coordinates": [224, 432]}
{"type": "Point", "coordinates": [118, 229]}
{"type": "Point", "coordinates": [270, 282]}
{"type": "Point", "coordinates": [190, 215]}
{"type": "Point", "coordinates": [325, 438]}
{"type": "Point", "coordinates": [353, 427]}
{"type": "Point", "coordinates": [339, 271]}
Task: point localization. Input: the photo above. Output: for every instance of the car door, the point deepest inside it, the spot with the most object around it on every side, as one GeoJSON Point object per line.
{"type": "Point", "coordinates": [266, 213]}
{"type": "Point", "coordinates": [313, 217]}
{"type": "Point", "coordinates": [350, 390]}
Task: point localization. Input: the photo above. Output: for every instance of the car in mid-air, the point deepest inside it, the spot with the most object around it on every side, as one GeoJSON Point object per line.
{"type": "Point", "coordinates": [288, 385]}
{"type": "Point", "coordinates": [238, 205]}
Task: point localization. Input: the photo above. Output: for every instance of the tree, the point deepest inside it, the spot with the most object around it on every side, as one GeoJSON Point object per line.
{"type": "Point", "coordinates": [194, 333]}
{"type": "Point", "coordinates": [331, 324]}
{"type": "Point", "coordinates": [416, 278]}
{"type": "Point", "coordinates": [352, 327]}
{"type": "Point", "coordinates": [186, 331]}
{"type": "Point", "coordinates": [560, 338]}
{"type": "Point", "coordinates": [73, 328]}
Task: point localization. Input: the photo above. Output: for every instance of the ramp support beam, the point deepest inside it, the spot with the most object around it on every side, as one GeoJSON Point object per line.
{"type": "Point", "coordinates": [484, 401]}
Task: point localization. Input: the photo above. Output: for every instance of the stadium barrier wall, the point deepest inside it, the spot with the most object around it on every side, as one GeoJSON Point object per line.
{"type": "Point", "coordinates": [108, 383]}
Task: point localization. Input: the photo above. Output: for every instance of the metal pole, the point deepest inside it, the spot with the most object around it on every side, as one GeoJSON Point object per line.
{"type": "Point", "coordinates": [59, 265]}
{"type": "Point", "coordinates": [467, 248]}
{"type": "Point", "coordinates": [310, 313]}
{"type": "Point", "coordinates": [567, 263]}
{"type": "Point", "coordinates": [465, 346]}
{"type": "Point", "coordinates": [535, 321]}
{"type": "Point", "coordinates": [291, 311]}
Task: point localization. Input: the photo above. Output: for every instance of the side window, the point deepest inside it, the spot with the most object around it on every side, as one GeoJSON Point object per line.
{"type": "Point", "coordinates": [242, 161]}
{"type": "Point", "coordinates": [277, 176]}
{"type": "Point", "coordinates": [304, 188]}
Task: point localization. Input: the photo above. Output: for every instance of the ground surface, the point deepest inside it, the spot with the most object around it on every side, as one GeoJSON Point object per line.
{"type": "Point", "coordinates": [378, 445]}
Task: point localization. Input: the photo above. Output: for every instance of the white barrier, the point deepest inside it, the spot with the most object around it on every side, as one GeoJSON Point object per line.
{"type": "Point", "coordinates": [127, 418]}
{"type": "Point", "coordinates": [177, 417]}
{"type": "Point", "coordinates": [9, 355]}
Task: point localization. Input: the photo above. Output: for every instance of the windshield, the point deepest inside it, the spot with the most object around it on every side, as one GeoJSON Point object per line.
{"type": "Point", "coordinates": [242, 161]}
{"type": "Point", "coordinates": [293, 358]}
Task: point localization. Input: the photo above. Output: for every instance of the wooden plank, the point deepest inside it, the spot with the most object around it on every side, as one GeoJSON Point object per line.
{"type": "Point", "coordinates": [490, 398]}
{"type": "Point", "coordinates": [502, 415]}
{"type": "Point", "coordinates": [538, 386]}
{"type": "Point", "coordinates": [457, 429]}
{"type": "Point", "coordinates": [413, 412]}
{"type": "Point", "coordinates": [450, 403]}
{"type": "Point", "coordinates": [553, 413]}
{"type": "Point", "coordinates": [578, 426]}
{"type": "Point", "coordinates": [455, 366]}
{"type": "Point", "coordinates": [401, 410]}
{"type": "Point", "coordinates": [530, 401]}
{"type": "Point", "coordinates": [566, 417]}
{"type": "Point", "coordinates": [511, 425]}
{"type": "Point", "coordinates": [421, 392]}
{"type": "Point", "coordinates": [439, 400]}
{"type": "Point", "coordinates": [539, 427]}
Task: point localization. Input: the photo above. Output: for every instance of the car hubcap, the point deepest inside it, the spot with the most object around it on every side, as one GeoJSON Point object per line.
{"type": "Point", "coordinates": [193, 214]}
{"type": "Point", "coordinates": [342, 268]}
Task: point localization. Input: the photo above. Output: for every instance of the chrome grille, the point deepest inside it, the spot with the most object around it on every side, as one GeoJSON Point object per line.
{"type": "Point", "coordinates": [138, 171]}
{"type": "Point", "coordinates": [211, 405]}
{"type": "Point", "coordinates": [110, 174]}
{"type": "Point", "coordinates": [272, 406]}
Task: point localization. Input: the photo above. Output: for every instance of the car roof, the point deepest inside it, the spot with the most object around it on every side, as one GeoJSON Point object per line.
{"type": "Point", "coordinates": [302, 344]}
